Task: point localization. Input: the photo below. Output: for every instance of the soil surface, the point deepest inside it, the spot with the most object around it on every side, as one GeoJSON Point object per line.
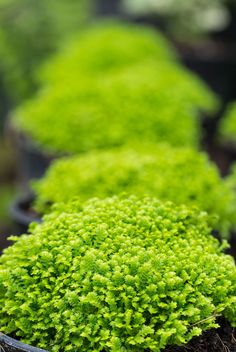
{"type": "Point", "coordinates": [222, 339]}
{"type": "Point", "coordinates": [5, 232]}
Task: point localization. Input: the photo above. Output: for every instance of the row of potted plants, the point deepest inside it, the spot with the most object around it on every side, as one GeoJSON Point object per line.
{"type": "Point", "coordinates": [181, 175]}
{"type": "Point", "coordinates": [106, 270]}
{"type": "Point", "coordinates": [118, 274]}
{"type": "Point", "coordinates": [110, 91]}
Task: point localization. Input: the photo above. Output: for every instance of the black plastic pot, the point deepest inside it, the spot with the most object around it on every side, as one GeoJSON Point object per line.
{"type": "Point", "coordinates": [32, 162]}
{"type": "Point", "coordinates": [4, 105]}
{"type": "Point", "coordinates": [214, 59]}
{"type": "Point", "coordinates": [7, 344]}
{"type": "Point", "coordinates": [215, 63]}
{"type": "Point", "coordinates": [210, 341]}
{"type": "Point", "coordinates": [108, 7]}
{"type": "Point", "coordinates": [209, 125]}
{"type": "Point", "coordinates": [22, 214]}
{"type": "Point", "coordinates": [5, 232]}
{"type": "Point", "coordinates": [224, 155]}
{"type": "Point", "coordinates": [232, 242]}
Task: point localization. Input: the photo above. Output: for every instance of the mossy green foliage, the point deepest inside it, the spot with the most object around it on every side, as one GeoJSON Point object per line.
{"type": "Point", "coordinates": [148, 101]}
{"type": "Point", "coordinates": [106, 46]}
{"type": "Point", "coordinates": [227, 129]}
{"type": "Point", "coordinates": [180, 175]}
{"type": "Point", "coordinates": [120, 274]}
{"type": "Point", "coordinates": [31, 30]}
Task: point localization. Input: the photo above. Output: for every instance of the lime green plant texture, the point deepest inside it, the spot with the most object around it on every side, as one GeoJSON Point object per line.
{"type": "Point", "coordinates": [106, 46]}
{"type": "Point", "coordinates": [148, 101]}
{"type": "Point", "coordinates": [116, 275]}
{"type": "Point", "coordinates": [180, 175]}
{"type": "Point", "coordinates": [227, 129]}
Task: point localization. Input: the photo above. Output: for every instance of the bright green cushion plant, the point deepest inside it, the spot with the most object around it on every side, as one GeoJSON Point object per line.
{"type": "Point", "coordinates": [116, 275]}
{"type": "Point", "coordinates": [227, 129]}
{"type": "Point", "coordinates": [106, 46]}
{"type": "Point", "coordinates": [180, 175]}
{"type": "Point", "coordinates": [149, 101]}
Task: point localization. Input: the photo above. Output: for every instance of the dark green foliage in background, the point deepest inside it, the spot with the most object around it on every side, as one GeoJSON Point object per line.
{"type": "Point", "coordinates": [29, 31]}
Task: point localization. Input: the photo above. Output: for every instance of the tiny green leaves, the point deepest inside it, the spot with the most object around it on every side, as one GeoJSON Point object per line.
{"type": "Point", "coordinates": [97, 278]}
{"type": "Point", "coordinates": [177, 174]}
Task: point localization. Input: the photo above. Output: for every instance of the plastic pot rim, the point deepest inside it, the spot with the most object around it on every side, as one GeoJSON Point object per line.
{"type": "Point", "coordinates": [18, 210]}
{"type": "Point", "coordinates": [13, 345]}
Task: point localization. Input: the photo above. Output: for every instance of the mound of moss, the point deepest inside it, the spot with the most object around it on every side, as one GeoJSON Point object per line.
{"type": "Point", "coordinates": [105, 47]}
{"type": "Point", "coordinates": [180, 175]}
{"type": "Point", "coordinates": [227, 129]}
{"type": "Point", "coordinates": [149, 102]}
{"type": "Point", "coordinates": [116, 275]}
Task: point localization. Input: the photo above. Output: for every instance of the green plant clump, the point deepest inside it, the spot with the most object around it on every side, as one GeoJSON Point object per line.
{"type": "Point", "coordinates": [106, 47]}
{"type": "Point", "coordinates": [181, 175]}
{"type": "Point", "coordinates": [154, 102]}
{"type": "Point", "coordinates": [227, 129]}
{"type": "Point", "coordinates": [120, 274]}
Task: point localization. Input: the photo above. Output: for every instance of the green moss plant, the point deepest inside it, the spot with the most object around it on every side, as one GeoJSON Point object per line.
{"type": "Point", "coordinates": [106, 46]}
{"type": "Point", "coordinates": [180, 175]}
{"type": "Point", "coordinates": [120, 274]}
{"type": "Point", "coordinates": [227, 129]}
{"type": "Point", "coordinates": [148, 101]}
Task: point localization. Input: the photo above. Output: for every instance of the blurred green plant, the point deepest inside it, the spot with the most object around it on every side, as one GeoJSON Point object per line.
{"type": "Point", "coordinates": [106, 47]}
{"type": "Point", "coordinates": [227, 127]}
{"type": "Point", "coordinates": [116, 274]}
{"type": "Point", "coordinates": [29, 31]}
{"type": "Point", "coordinates": [186, 19]}
{"type": "Point", "coordinates": [181, 175]}
{"type": "Point", "coordinates": [148, 101]}
{"type": "Point", "coordinates": [7, 192]}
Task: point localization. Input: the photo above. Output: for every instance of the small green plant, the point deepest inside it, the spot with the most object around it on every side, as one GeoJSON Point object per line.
{"type": "Point", "coordinates": [106, 46]}
{"type": "Point", "coordinates": [140, 102]}
{"type": "Point", "coordinates": [180, 175]}
{"type": "Point", "coordinates": [120, 274]}
{"type": "Point", "coordinates": [227, 129]}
